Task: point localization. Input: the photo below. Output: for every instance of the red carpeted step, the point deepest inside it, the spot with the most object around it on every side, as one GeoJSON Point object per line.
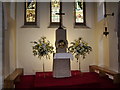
{"type": "Point", "coordinates": [106, 82]}
{"type": "Point", "coordinates": [78, 80]}
{"type": "Point", "coordinates": [26, 81]}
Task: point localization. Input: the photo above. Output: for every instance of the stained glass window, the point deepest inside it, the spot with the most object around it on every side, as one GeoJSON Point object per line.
{"type": "Point", "coordinates": [79, 12]}
{"type": "Point", "coordinates": [55, 7]}
{"type": "Point", "coordinates": [30, 12]}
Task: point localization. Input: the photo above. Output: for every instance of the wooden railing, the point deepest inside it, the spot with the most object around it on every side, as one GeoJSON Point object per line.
{"type": "Point", "coordinates": [104, 71]}
{"type": "Point", "coordinates": [12, 78]}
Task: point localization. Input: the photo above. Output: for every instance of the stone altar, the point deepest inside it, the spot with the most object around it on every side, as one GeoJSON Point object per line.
{"type": "Point", "coordinates": [62, 65]}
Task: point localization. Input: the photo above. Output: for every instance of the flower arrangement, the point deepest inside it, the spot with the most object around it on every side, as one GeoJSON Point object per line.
{"type": "Point", "coordinates": [79, 48]}
{"type": "Point", "coordinates": [42, 48]}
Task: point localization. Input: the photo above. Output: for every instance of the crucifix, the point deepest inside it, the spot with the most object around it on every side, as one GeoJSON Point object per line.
{"type": "Point", "coordinates": [60, 13]}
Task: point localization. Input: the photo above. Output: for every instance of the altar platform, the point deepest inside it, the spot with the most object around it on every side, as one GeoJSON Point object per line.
{"type": "Point", "coordinates": [77, 80]}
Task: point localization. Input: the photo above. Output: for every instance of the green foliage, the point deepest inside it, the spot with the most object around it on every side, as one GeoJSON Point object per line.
{"type": "Point", "coordinates": [42, 48]}
{"type": "Point", "coordinates": [79, 48]}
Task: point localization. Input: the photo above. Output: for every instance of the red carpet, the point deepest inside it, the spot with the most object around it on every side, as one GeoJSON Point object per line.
{"type": "Point", "coordinates": [78, 80]}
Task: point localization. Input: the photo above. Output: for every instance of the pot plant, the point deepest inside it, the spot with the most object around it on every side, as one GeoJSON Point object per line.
{"type": "Point", "coordinates": [42, 49]}
{"type": "Point", "coordinates": [79, 48]}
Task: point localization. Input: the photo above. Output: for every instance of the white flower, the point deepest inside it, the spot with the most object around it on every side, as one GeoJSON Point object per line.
{"type": "Point", "coordinates": [79, 48]}
{"type": "Point", "coordinates": [81, 44]}
{"type": "Point", "coordinates": [43, 48]}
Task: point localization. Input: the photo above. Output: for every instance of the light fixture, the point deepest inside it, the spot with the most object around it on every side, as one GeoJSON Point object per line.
{"type": "Point", "coordinates": [112, 14]}
{"type": "Point", "coordinates": [106, 33]}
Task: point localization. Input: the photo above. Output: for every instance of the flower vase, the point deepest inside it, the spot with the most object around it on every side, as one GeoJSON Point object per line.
{"type": "Point", "coordinates": [43, 68]}
{"type": "Point", "coordinates": [79, 64]}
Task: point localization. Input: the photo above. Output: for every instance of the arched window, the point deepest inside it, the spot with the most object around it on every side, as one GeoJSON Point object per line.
{"type": "Point", "coordinates": [30, 17]}
{"type": "Point", "coordinates": [79, 12]}
{"type": "Point", "coordinates": [55, 6]}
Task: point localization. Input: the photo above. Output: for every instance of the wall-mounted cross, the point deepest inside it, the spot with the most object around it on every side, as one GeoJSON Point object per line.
{"type": "Point", "coordinates": [60, 13]}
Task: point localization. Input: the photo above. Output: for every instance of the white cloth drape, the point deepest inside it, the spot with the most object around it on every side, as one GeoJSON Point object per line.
{"type": "Point", "coordinates": [63, 56]}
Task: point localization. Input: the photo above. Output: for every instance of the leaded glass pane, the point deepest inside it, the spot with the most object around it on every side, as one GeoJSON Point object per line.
{"type": "Point", "coordinates": [30, 10]}
{"type": "Point", "coordinates": [79, 17]}
{"type": "Point", "coordinates": [55, 7]}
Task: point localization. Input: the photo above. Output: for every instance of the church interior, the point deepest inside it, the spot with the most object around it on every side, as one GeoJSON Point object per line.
{"type": "Point", "coordinates": [23, 24]}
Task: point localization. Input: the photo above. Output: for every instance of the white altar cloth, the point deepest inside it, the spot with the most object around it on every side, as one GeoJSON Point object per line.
{"type": "Point", "coordinates": [63, 56]}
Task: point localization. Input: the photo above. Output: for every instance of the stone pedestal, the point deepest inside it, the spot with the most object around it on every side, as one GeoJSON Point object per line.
{"type": "Point", "coordinates": [61, 41]}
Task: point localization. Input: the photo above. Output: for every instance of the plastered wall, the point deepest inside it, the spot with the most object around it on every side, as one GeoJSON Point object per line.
{"type": "Point", "coordinates": [108, 46]}
{"type": "Point", "coordinates": [24, 36]}
{"type": "Point", "coordinates": [9, 43]}
{"type": "Point", "coordinates": [103, 47]}
{"type": "Point", "coordinates": [113, 39]}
